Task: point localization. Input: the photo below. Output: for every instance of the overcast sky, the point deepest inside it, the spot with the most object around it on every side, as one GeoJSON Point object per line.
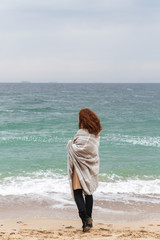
{"type": "Point", "coordinates": [80, 40]}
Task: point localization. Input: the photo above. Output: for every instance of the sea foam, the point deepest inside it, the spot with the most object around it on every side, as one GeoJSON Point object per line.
{"type": "Point", "coordinates": [48, 184]}
{"type": "Point", "coordinates": [134, 140]}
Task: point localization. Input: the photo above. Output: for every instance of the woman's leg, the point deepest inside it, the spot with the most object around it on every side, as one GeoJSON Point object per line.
{"type": "Point", "coordinates": [78, 195]}
{"type": "Point", "coordinates": [89, 205]}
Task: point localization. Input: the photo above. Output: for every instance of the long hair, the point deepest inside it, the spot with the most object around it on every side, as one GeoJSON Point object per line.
{"type": "Point", "coordinates": [90, 121]}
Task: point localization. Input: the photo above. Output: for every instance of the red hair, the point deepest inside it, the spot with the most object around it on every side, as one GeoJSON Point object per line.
{"type": "Point", "coordinates": [90, 121]}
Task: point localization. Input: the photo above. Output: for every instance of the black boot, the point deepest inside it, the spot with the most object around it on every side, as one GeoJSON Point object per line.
{"type": "Point", "coordinates": [84, 218]}
{"type": "Point", "coordinates": [89, 222]}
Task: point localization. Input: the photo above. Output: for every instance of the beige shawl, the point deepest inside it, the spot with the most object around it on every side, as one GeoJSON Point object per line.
{"type": "Point", "coordinates": [83, 155]}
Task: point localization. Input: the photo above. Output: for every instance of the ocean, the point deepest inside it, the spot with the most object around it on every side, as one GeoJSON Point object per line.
{"type": "Point", "coordinates": [38, 119]}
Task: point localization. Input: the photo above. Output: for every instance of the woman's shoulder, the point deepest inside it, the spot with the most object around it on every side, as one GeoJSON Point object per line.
{"type": "Point", "coordinates": [81, 133]}
{"type": "Point", "coordinates": [85, 132]}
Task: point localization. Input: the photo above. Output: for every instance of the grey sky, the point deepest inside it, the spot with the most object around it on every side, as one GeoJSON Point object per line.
{"type": "Point", "coordinates": [80, 40]}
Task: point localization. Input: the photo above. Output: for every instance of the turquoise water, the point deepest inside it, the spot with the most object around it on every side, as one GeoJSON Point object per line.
{"type": "Point", "coordinates": [37, 120]}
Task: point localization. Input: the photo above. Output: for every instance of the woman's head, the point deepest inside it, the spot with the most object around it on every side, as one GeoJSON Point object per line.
{"type": "Point", "coordinates": [89, 120]}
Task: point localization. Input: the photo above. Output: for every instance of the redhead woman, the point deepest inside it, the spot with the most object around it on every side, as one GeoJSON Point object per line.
{"type": "Point", "coordinates": [83, 164]}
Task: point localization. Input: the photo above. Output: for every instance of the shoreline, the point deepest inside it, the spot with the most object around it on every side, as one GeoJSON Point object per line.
{"type": "Point", "coordinates": [13, 207]}
{"type": "Point", "coordinates": [50, 228]}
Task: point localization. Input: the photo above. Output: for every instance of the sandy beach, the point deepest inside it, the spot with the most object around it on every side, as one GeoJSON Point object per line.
{"type": "Point", "coordinates": [26, 219]}
{"type": "Point", "coordinates": [47, 228]}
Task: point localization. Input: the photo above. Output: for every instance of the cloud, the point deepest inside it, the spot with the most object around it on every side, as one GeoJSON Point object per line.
{"type": "Point", "coordinates": [79, 40]}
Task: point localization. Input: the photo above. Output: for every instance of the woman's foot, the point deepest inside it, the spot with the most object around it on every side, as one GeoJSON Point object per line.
{"type": "Point", "coordinates": [89, 222]}
{"type": "Point", "coordinates": [85, 227]}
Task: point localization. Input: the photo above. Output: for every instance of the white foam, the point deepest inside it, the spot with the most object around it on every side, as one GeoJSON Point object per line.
{"type": "Point", "coordinates": [50, 185]}
{"type": "Point", "coordinates": [34, 138]}
{"type": "Point", "coordinates": [34, 184]}
{"type": "Point", "coordinates": [135, 140]}
{"type": "Point", "coordinates": [131, 186]}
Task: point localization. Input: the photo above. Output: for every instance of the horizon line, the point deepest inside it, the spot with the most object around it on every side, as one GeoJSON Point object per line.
{"type": "Point", "coordinates": [30, 82]}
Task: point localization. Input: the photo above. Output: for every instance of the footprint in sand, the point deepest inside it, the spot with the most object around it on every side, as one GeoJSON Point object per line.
{"type": "Point", "coordinates": [109, 225]}
{"type": "Point", "coordinates": [19, 222]}
{"type": "Point", "coordinates": [12, 233]}
{"type": "Point", "coordinates": [106, 235]}
{"type": "Point", "coordinates": [69, 227]}
{"type": "Point", "coordinates": [143, 231]}
{"type": "Point", "coordinates": [104, 229]}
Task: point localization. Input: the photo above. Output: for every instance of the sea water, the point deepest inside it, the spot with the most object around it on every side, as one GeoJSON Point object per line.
{"type": "Point", "coordinates": [37, 120]}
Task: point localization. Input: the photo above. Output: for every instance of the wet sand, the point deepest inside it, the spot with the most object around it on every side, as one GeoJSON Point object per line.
{"type": "Point", "coordinates": [14, 207]}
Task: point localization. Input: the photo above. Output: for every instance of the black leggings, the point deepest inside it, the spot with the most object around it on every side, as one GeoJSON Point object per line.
{"type": "Point", "coordinates": [84, 204]}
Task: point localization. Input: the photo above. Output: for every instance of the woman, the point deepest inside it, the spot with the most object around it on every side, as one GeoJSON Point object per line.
{"type": "Point", "coordinates": [83, 164]}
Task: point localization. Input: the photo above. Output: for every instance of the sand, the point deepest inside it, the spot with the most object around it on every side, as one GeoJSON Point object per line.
{"type": "Point", "coordinates": [47, 228]}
